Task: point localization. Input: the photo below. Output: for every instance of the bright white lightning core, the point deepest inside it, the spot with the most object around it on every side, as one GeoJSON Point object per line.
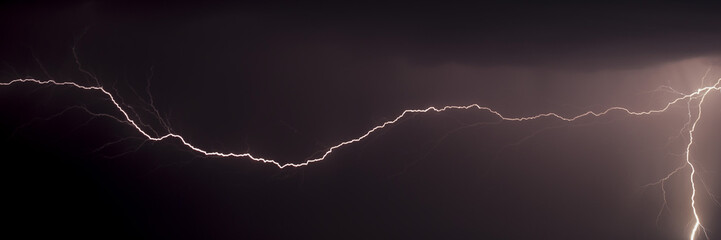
{"type": "Point", "coordinates": [700, 94]}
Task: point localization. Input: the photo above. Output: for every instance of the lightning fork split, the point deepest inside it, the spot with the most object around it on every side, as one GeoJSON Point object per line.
{"type": "Point", "coordinates": [700, 94]}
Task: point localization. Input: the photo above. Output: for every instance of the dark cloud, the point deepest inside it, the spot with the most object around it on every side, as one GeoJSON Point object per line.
{"type": "Point", "coordinates": [577, 35]}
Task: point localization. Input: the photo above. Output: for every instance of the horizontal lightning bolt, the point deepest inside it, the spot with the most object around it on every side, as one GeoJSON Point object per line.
{"type": "Point", "coordinates": [699, 93]}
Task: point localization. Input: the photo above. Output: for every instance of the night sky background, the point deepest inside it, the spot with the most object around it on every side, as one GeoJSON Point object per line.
{"type": "Point", "coordinates": [287, 81]}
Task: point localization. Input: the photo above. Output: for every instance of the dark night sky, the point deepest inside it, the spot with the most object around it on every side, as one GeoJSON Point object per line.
{"type": "Point", "coordinates": [286, 81]}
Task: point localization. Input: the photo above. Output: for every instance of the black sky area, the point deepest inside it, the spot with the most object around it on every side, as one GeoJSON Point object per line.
{"type": "Point", "coordinates": [287, 81]}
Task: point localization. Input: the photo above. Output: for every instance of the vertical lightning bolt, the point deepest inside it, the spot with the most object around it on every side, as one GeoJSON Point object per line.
{"type": "Point", "coordinates": [700, 93]}
{"type": "Point", "coordinates": [697, 224]}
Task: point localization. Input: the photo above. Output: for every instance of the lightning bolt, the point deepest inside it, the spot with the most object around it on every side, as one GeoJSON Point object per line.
{"type": "Point", "coordinates": [700, 93]}
{"type": "Point", "coordinates": [697, 224]}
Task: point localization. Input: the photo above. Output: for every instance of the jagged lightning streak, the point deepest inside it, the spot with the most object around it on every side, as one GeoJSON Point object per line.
{"type": "Point", "coordinates": [699, 93]}
{"type": "Point", "coordinates": [697, 224]}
